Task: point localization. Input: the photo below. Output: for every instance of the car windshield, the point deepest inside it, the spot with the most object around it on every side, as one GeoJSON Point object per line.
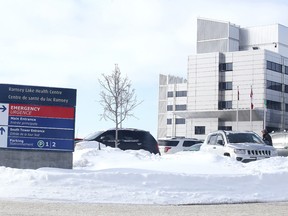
{"type": "Point", "coordinates": [243, 138]}
{"type": "Point", "coordinates": [92, 136]}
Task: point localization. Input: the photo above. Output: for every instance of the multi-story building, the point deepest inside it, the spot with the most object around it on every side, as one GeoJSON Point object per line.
{"type": "Point", "coordinates": [238, 80]}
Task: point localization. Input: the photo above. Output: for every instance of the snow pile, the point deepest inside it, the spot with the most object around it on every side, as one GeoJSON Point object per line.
{"type": "Point", "coordinates": [114, 176]}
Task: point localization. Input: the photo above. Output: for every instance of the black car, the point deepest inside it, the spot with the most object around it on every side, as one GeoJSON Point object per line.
{"type": "Point", "coordinates": [128, 139]}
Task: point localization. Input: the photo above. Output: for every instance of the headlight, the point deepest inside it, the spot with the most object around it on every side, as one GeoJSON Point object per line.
{"type": "Point", "coordinates": [239, 151]}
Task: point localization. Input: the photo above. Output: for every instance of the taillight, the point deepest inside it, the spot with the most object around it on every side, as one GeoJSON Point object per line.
{"type": "Point", "coordinates": [166, 149]}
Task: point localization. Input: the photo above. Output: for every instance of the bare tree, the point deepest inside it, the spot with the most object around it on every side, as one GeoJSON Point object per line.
{"type": "Point", "coordinates": [118, 98]}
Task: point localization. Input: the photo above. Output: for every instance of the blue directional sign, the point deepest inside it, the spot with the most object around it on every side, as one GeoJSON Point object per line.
{"type": "Point", "coordinates": [34, 117]}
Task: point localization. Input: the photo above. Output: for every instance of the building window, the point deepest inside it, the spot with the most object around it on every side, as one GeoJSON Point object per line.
{"type": "Point", "coordinates": [274, 86]}
{"type": "Point", "coordinates": [169, 94]}
{"type": "Point", "coordinates": [227, 128]}
{"type": "Point", "coordinates": [169, 121]}
{"type": "Point", "coordinates": [180, 121]}
{"type": "Point", "coordinates": [286, 69]}
{"type": "Point", "coordinates": [180, 107]}
{"type": "Point", "coordinates": [273, 105]}
{"type": "Point", "coordinates": [225, 67]}
{"type": "Point", "coordinates": [286, 107]}
{"type": "Point", "coordinates": [225, 86]}
{"type": "Point", "coordinates": [181, 93]}
{"type": "Point", "coordinates": [178, 94]}
{"type": "Point", "coordinates": [286, 88]}
{"type": "Point", "coordinates": [199, 129]}
{"type": "Point", "coordinates": [274, 66]}
{"type": "Point", "coordinates": [224, 105]}
{"type": "Point", "coordinates": [169, 107]}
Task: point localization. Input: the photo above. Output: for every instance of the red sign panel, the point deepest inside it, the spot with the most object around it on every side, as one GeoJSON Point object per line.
{"type": "Point", "coordinates": [41, 111]}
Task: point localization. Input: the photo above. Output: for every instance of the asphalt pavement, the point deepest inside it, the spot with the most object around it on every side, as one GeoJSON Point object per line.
{"type": "Point", "coordinates": [41, 208]}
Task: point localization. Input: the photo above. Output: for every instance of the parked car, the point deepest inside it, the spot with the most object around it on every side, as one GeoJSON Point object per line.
{"type": "Point", "coordinates": [280, 142]}
{"type": "Point", "coordinates": [242, 146]}
{"type": "Point", "coordinates": [173, 145]}
{"type": "Point", "coordinates": [128, 139]}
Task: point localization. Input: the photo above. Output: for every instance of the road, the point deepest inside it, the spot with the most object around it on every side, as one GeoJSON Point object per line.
{"type": "Point", "coordinates": [20, 208]}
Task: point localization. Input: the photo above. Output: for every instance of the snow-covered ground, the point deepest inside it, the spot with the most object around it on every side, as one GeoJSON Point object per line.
{"type": "Point", "coordinates": [114, 176]}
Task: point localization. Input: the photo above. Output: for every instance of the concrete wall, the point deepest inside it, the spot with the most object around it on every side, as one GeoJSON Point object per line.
{"type": "Point", "coordinates": [34, 159]}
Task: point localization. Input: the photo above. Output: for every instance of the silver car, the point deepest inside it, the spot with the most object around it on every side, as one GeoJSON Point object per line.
{"type": "Point", "coordinates": [173, 145]}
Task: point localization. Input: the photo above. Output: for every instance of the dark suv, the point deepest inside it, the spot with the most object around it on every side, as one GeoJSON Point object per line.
{"type": "Point", "coordinates": [128, 138]}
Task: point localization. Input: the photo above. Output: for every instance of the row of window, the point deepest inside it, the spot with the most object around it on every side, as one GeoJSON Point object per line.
{"type": "Point", "coordinates": [224, 86]}
{"type": "Point", "coordinates": [224, 105]}
{"type": "Point", "coordinates": [269, 65]}
{"type": "Point", "coordinates": [179, 107]}
{"type": "Point", "coordinates": [276, 67]}
{"type": "Point", "coordinates": [201, 129]}
{"type": "Point", "coordinates": [228, 105]}
{"type": "Point", "coordinates": [225, 67]}
{"type": "Point", "coordinates": [177, 121]}
{"type": "Point", "coordinates": [274, 105]}
{"type": "Point", "coordinates": [177, 94]}
{"type": "Point", "coordinates": [276, 86]}
{"type": "Point", "coordinates": [198, 129]}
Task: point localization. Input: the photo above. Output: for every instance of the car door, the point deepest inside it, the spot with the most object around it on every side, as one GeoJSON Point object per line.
{"type": "Point", "coordinates": [129, 140]}
{"type": "Point", "coordinates": [215, 144]}
{"type": "Point", "coordinates": [219, 145]}
{"type": "Point", "coordinates": [210, 143]}
{"type": "Point", "coordinates": [107, 138]}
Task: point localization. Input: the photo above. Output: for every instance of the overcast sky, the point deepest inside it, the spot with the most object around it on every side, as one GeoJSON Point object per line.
{"type": "Point", "coordinates": [70, 43]}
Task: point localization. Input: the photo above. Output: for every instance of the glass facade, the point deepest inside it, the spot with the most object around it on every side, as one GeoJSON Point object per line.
{"type": "Point", "coordinates": [224, 105]}
{"type": "Point", "coordinates": [225, 67]}
{"type": "Point", "coordinates": [274, 86]}
{"type": "Point", "coordinates": [225, 86]}
{"type": "Point", "coordinates": [274, 105]}
{"type": "Point", "coordinates": [274, 66]}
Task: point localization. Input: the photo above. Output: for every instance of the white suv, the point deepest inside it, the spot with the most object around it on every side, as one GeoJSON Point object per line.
{"type": "Point", "coordinates": [173, 145]}
{"type": "Point", "coordinates": [242, 146]}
